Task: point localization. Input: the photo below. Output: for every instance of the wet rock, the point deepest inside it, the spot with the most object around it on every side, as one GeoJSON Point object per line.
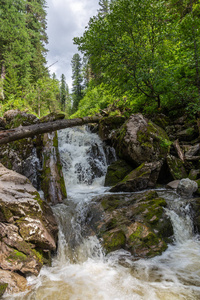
{"type": "Point", "coordinates": [176, 167]}
{"type": "Point", "coordinates": [195, 205]}
{"type": "Point", "coordinates": [135, 222]}
{"type": "Point", "coordinates": [140, 140]}
{"type": "Point", "coordinates": [173, 184]}
{"type": "Point", "coordinates": [116, 172]}
{"type": "Point", "coordinates": [12, 282]}
{"type": "Point", "coordinates": [28, 230]}
{"type": "Point", "coordinates": [22, 156]}
{"type": "Point", "coordinates": [52, 184]}
{"type": "Point", "coordinates": [187, 187]}
{"type": "Point", "coordinates": [145, 176]}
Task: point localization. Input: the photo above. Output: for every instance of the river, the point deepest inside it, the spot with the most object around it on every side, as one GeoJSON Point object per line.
{"type": "Point", "coordinates": [81, 270]}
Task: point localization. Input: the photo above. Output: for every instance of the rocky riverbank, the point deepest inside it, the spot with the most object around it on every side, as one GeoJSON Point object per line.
{"type": "Point", "coordinates": [150, 153]}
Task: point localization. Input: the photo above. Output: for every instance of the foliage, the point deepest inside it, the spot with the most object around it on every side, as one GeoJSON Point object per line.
{"type": "Point", "coordinates": [96, 98]}
{"type": "Point", "coordinates": [149, 50]}
{"type": "Point", "coordinates": [77, 88]}
{"type": "Point", "coordinates": [25, 83]}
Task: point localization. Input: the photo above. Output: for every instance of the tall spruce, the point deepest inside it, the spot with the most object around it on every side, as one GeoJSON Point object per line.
{"type": "Point", "coordinates": [63, 92]}
{"type": "Point", "coordinates": [77, 88]}
{"type": "Point", "coordinates": [36, 26]}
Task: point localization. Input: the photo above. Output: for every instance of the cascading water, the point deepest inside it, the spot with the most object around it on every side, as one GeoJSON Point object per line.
{"type": "Point", "coordinates": [81, 271]}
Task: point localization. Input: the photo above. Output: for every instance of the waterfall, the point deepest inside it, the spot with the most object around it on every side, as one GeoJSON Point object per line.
{"type": "Point", "coordinates": [81, 270]}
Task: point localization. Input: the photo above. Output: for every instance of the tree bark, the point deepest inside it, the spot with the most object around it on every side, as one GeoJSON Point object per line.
{"type": "Point", "coordinates": [22, 132]}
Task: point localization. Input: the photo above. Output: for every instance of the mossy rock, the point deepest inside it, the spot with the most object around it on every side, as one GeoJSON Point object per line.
{"type": "Point", "coordinates": [188, 134]}
{"type": "Point", "coordinates": [140, 140]}
{"type": "Point", "coordinates": [141, 178]}
{"type": "Point", "coordinates": [108, 125]}
{"type": "Point", "coordinates": [176, 167]}
{"type": "Point", "coordinates": [15, 118]}
{"type": "Point", "coordinates": [52, 179]}
{"type": "Point", "coordinates": [3, 287]}
{"type": "Point", "coordinates": [135, 222]}
{"type": "Point", "coordinates": [114, 241]}
{"type": "Point", "coordinates": [116, 172]}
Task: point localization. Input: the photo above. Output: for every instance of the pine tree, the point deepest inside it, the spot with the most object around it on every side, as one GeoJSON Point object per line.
{"type": "Point", "coordinates": [63, 92]}
{"type": "Point", "coordinates": [77, 88]}
{"type": "Point", "coordinates": [36, 27]}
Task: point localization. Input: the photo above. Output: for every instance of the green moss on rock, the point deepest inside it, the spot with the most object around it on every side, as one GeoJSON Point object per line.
{"type": "Point", "coordinates": [3, 287]}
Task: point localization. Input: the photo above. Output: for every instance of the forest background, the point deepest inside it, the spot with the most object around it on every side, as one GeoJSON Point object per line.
{"type": "Point", "coordinates": [137, 56]}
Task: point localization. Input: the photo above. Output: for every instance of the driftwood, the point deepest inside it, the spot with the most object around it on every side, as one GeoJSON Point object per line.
{"type": "Point", "coordinates": [178, 150]}
{"type": "Point", "coordinates": [21, 132]}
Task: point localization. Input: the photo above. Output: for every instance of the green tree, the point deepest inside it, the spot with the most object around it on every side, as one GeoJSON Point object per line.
{"type": "Point", "coordinates": [15, 44]}
{"type": "Point", "coordinates": [77, 88]}
{"type": "Point", "coordinates": [63, 92]}
{"type": "Point", "coordinates": [36, 27]}
{"type": "Point", "coordinates": [128, 47]}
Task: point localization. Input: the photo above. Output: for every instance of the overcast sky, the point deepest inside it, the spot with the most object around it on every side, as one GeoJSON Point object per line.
{"type": "Point", "coordinates": [66, 19]}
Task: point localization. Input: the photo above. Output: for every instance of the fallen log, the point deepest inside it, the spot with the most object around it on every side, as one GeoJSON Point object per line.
{"type": "Point", "coordinates": [21, 132]}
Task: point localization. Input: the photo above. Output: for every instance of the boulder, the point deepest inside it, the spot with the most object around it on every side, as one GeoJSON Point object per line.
{"type": "Point", "coordinates": [140, 140]}
{"type": "Point", "coordinates": [173, 184]}
{"type": "Point", "coordinates": [135, 222]}
{"type": "Point", "coordinates": [143, 177]}
{"type": "Point", "coordinates": [116, 172]}
{"type": "Point", "coordinates": [193, 150]}
{"type": "Point", "coordinates": [22, 156]}
{"type": "Point", "coordinates": [187, 187]}
{"type": "Point", "coordinates": [52, 184]}
{"type": "Point", "coordinates": [11, 282]}
{"type": "Point", "coordinates": [15, 118]}
{"type": "Point", "coordinates": [187, 134]}
{"type": "Point", "coordinates": [28, 229]}
{"type": "Point", "coordinates": [108, 126]}
{"type": "Point", "coordinates": [176, 167]}
{"type": "Point", "coordinates": [194, 174]}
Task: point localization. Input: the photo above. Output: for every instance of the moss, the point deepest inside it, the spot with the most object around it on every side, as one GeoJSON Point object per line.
{"type": "Point", "coordinates": [116, 172]}
{"type": "Point", "coordinates": [17, 255]}
{"type": "Point", "coordinates": [3, 287]}
{"type": "Point", "coordinates": [55, 140]}
{"type": "Point", "coordinates": [38, 255]}
{"type": "Point", "coordinates": [176, 167]}
{"type": "Point", "coordinates": [38, 199]}
{"type": "Point", "coordinates": [114, 241]}
{"type": "Point", "coordinates": [6, 213]}
{"type": "Point", "coordinates": [156, 135]}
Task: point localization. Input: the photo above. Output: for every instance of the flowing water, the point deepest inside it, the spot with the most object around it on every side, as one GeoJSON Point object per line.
{"type": "Point", "coordinates": [81, 270]}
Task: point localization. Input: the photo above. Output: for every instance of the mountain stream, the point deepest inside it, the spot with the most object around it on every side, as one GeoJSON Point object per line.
{"type": "Point", "coordinates": [81, 270]}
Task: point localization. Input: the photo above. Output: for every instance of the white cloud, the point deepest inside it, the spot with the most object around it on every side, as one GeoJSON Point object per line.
{"type": "Point", "coordinates": [65, 20]}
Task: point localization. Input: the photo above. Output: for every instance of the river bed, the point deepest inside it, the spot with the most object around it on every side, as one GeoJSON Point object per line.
{"type": "Point", "coordinates": [81, 270]}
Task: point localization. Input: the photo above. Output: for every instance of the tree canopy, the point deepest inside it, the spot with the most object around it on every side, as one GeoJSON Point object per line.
{"type": "Point", "coordinates": [148, 51]}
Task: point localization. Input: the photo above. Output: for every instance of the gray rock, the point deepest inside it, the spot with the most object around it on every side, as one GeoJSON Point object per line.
{"type": "Point", "coordinates": [145, 176]}
{"type": "Point", "coordinates": [28, 230]}
{"type": "Point", "coordinates": [173, 184]}
{"type": "Point", "coordinates": [140, 140]}
{"type": "Point", "coordinates": [135, 222]}
{"type": "Point", "coordinates": [187, 187]}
